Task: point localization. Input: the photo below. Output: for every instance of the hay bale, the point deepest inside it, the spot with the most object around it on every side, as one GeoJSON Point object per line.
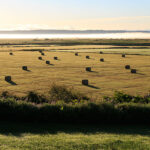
{"type": "Point", "coordinates": [88, 69]}
{"type": "Point", "coordinates": [102, 59]}
{"type": "Point", "coordinates": [133, 70]}
{"type": "Point", "coordinates": [101, 52]}
{"type": "Point", "coordinates": [24, 68]}
{"type": "Point", "coordinates": [40, 58]}
{"type": "Point", "coordinates": [85, 82]}
{"type": "Point", "coordinates": [127, 67]}
{"type": "Point", "coordinates": [47, 62]}
{"type": "Point", "coordinates": [76, 54]}
{"type": "Point", "coordinates": [40, 51]}
{"type": "Point", "coordinates": [8, 78]}
{"type": "Point", "coordinates": [10, 53]}
{"type": "Point", "coordinates": [123, 55]}
{"type": "Point", "coordinates": [87, 57]}
{"type": "Point", "coordinates": [42, 54]}
{"type": "Point", "coordinates": [55, 58]}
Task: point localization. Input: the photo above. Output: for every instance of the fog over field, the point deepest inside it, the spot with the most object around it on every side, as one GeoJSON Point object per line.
{"type": "Point", "coordinates": [59, 34]}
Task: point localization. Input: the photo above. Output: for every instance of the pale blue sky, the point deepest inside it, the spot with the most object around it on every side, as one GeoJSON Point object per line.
{"type": "Point", "coordinates": [75, 14]}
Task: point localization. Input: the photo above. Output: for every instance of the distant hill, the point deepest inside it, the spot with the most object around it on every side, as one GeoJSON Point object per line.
{"type": "Point", "coordinates": [71, 31]}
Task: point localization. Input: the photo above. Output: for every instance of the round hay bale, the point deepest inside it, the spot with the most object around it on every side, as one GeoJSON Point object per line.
{"type": "Point", "coordinates": [10, 53]}
{"type": "Point", "coordinates": [42, 54]}
{"type": "Point", "coordinates": [8, 78]}
{"type": "Point", "coordinates": [133, 70]}
{"type": "Point", "coordinates": [123, 55]}
{"type": "Point", "coordinates": [127, 67]}
{"type": "Point", "coordinates": [85, 82]}
{"type": "Point", "coordinates": [88, 69]}
{"type": "Point", "coordinates": [47, 62]}
{"type": "Point", "coordinates": [87, 57]}
{"type": "Point", "coordinates": [40, 58]}
{"type": "Point", "coordinates": [55, 58]}
{"type": "Point", "coordinates": [40, 51]}
{"type": "Point", "coordinates": [101, 52]}
{"type": "Point", "coordinates": [76, 54]}
{"type": "Point", "coordinates": [102, 59]}
{"type": "Point", "coordinates": [24, 68]}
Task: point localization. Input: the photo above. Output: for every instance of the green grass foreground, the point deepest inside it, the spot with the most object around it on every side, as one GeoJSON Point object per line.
{"type": "Point", "coordinates": [72, 137]}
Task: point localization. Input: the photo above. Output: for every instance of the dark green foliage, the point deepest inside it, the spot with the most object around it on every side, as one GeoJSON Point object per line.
{"type": "Point", "coordinates": [120, 109]}
{"type": "Point", "coordinates": [36, 98]}
{"type": "Point", "coordinates": [101, 113]}
{"type": "Point", "coordinates": [120, 97]}
{"type": "Point", "coordinates": [57, 94]}
{"type": "Point", "coordinates": [5, 94]}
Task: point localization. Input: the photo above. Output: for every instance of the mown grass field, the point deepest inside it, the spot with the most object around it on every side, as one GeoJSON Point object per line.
{"type": "Point", "coordinates": [69, 137]}
{"type": "Point", "coordinates": [105, 78]}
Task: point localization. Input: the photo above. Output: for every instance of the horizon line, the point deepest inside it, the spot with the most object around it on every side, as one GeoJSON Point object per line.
{"type": "Point", "coordinates": [124, 30]}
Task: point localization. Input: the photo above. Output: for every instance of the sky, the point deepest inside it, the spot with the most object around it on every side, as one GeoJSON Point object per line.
{"type": "Point", "coordinates": [75, 14]}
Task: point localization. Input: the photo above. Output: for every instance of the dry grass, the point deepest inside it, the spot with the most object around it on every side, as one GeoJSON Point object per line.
{"type": "Point", "coordinates": [70, 70]}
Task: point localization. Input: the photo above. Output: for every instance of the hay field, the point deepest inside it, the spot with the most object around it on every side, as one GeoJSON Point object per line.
{"type": "Point", "coordinates": [105, 78]}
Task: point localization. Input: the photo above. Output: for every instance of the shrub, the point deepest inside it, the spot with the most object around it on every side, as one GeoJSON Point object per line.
{"type": "Point", "coordinates": [120, 97]}
{"type": "Point", "coordinates": [58, 93]}
{"type": "Point", "coordinates": [36, 98]}
{"type": "Point", "coordinates": [5, 94]}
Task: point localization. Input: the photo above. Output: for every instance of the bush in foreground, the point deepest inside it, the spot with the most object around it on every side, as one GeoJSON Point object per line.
{"type": "Point", "coordinates": [34, 97]}
{"type": "Point", "coordinates": [120, 97]}
{"type": "Point", "coordinates": [102, 113]}
{"type": "Point", "coordinates": [72, 107]}
{"type": "Point", "coordinates": [57, 95]}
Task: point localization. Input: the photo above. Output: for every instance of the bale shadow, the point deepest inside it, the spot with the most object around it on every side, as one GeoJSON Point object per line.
{"type": "Point", "coordinates": [50, 64]}
{"type": "Point", "coordinates": [90, 58]}
{"type": "Point", "coordinates": [93, 71]}
{"type": "Point", "coordinates": [12, 82]}
{"type": "Point", "coordinates": [92, 86]}
{"type": "Point", "coordinates": [27, 70]}
{"type": "Point", "coordinates": [140, 73]}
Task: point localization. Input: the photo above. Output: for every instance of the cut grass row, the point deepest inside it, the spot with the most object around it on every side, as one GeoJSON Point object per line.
{"type": "Point", "coordinates": [116, 42]}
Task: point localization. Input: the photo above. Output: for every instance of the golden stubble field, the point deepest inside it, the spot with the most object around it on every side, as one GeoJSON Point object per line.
{"type": "Point", "coordinates": [105, 78]}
